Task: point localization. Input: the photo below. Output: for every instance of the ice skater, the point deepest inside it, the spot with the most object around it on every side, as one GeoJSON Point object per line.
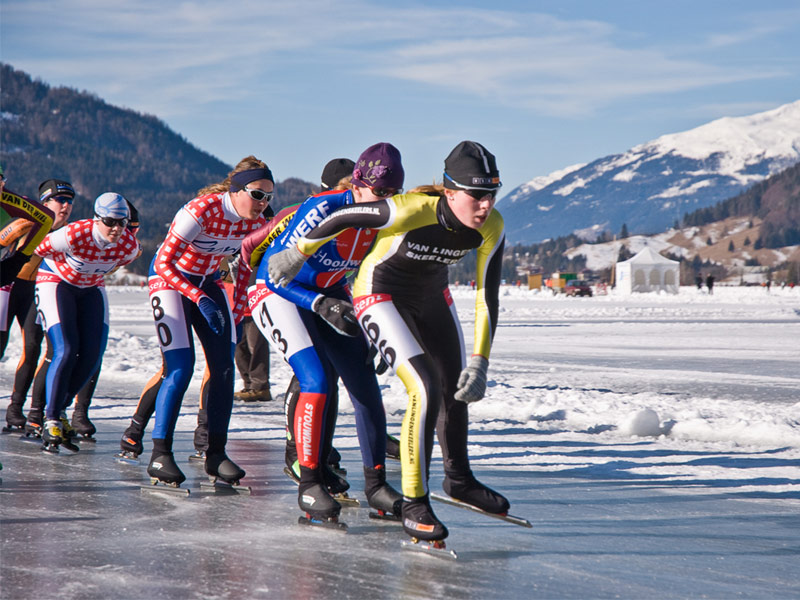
{"type": "Point", "coordinates": [403, 303]}
{"type": "Point", "coordinates": [37, 217]}
{"type": "Point", "coordinates": [80, 425]}
{"type": "Point", "coordinates": [72, 303]}
{"type": "Point", "coordinates": [310, 321]}
{"type": "Point", "coordinates": [186, 294]}
{"type": "Point", "coordinates": [16, 301]}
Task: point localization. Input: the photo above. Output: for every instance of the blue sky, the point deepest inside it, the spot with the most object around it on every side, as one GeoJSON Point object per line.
{"type": "Point", "coordinates": [543, 85]}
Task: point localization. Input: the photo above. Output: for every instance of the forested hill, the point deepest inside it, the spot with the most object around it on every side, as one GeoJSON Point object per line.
{"type": "Point", "coordinates": [776, 201]}
{"type": "Point", "coordinates": [59, 132]}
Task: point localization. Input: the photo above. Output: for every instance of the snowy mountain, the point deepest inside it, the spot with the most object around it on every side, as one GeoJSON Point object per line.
{"type": "Point", "coordinates": [654, 184]}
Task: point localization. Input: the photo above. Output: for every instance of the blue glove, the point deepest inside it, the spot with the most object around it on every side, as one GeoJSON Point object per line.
{"type": "Point", "coordinates": [212, 314]}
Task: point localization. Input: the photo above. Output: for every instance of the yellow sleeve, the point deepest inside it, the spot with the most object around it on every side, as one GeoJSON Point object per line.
{"type": "Point", "coordinates": [487, 283]}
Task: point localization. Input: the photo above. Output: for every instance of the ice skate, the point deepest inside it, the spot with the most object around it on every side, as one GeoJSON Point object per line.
{"type": "Point", "coordinates": [419, 521]}
{"type": "Point", "coordinates": [83, 427]}
{"type": "Point", "coordinates": [293, 471]}
{"type": "Point", "coordinates": [52, 436]}
{"type": "Point", "coordinates": [223, 474]}
{"type": "Point", "coordinates": [335, 462]}
{"type": "Point", "coordinates": [200, 440]}
{"type": "Point", "coordinates": [198, 456]}
{"type": "Point", "coordinates": [219, 466]}
{"type": "Point", "coordinates": [15, 420]}
{"type": "Point", "coordinates": [467, 489]}
{"type": "Point", "coordinates": [67, 431]}
{"type": "Point", "coordinates": [162, 469]}
{"type": "Point", "coordinates": [131, 442]}
{"type": "Point", "coordinates": [33, 426]}
{"type": "Point", "coordinates": [432, 547]}
{"type": "Point", "coordinates": [392, 447]}
{"type": "Point", "coordinates": [382, 497]}
{"type": "Point", "coordinates": [313, 498]}
{"type": "Point", "coordinates": [127, 457]}
{"type": "Point", "coordinates": [338, 486]}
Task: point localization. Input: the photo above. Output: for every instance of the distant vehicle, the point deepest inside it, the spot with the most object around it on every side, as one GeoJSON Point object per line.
{"type": "Point", "coordinates": [576, 287]}
{"type": "Point", "coordinates": [558, 280]}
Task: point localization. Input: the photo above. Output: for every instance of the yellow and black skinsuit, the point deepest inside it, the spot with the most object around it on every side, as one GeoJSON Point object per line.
{"type": "Point", "coordinates": [403, 303]}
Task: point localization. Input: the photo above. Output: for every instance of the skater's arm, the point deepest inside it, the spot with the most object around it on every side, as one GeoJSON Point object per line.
{"type": "Point", "coordinates": [183, 230]}
{"type": "Point", "coordinates": [489, 266]}
{"type": "Point", "coordinates": [40, 216]}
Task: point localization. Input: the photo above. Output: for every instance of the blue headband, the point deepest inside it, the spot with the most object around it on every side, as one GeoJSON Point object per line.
{"type": "Point", "coordinates": [242, 178]}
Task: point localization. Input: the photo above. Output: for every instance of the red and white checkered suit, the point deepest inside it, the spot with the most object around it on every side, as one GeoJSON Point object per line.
{"type": "Point", "coordinates": [77, 255]}
{"type": "Point", "coordinates": [203, 232]}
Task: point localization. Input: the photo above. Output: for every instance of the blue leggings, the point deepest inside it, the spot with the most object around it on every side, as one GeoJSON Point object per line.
{"type": "Point", "coordinates": [175, 316]}
{"type": "Point", "coordinates": [318, 356]}
{"type": "Point", "coordinates": [76, 320]}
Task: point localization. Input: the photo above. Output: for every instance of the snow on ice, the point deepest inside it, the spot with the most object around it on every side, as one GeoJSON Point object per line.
{"type": "Point", "coordinates": [653, 441]}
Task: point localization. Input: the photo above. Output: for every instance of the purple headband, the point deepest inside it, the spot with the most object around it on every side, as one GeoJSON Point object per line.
{"type": "Point", "coordinates": [242, 178]}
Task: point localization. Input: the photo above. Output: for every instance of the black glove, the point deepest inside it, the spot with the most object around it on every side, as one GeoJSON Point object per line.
{"type": "Point", "coordinates": [338, 314]}
{"type": "Point", "coordinates": [381, 367]}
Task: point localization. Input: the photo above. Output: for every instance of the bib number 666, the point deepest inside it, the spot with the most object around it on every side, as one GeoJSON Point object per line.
{"type": "Point", "coordinates": [374, 335]}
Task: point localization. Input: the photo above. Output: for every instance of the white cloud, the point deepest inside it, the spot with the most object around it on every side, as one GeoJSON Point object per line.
{"type": "Point", "coordinates": [162, 57]}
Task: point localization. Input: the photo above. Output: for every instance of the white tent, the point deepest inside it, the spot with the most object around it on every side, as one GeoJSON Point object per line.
{"type": "Point", "coordinates": [648, 271]}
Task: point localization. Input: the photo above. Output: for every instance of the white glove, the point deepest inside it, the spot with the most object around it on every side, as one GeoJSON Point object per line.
{"type": "Point", "coordinates": [472, 382]}
{"type": "Point", "coordinates": [284, 266]}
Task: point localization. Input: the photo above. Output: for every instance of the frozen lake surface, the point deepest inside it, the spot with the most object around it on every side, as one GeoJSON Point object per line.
{"type": "Point", "coordinates": [653, 441]}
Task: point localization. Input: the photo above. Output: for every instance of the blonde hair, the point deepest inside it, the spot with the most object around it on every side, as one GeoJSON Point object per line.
{"type": "Point", "coordinates": [434, 189]}
{"type": "Point", "coordinates": [344, 183]}
{"type": "Point", "coordinates": [247, 163]}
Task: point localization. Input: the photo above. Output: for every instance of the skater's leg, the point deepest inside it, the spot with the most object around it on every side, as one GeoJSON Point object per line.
{"type": "Point", "coordinates": [131, 441]}
{"type": "Point", "coordinates": [453, 422]}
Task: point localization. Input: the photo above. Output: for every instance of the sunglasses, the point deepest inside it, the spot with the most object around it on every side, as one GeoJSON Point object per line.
{"type": "Point", "coordinates": [385, 192]}
{"type": "Point", "coordinates": [480, 194]}
{"type": "Point", "coordinates": [259, 195]}
{"type": "Point", "coordinates": [109, 222]}
{"type": "Point", "coordinates": [61, 199]}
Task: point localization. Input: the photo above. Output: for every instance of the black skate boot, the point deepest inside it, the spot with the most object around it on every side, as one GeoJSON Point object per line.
{"type": "Point", "coordinates": [34, 425]}
{"type": "Point", "coordinates": [386, 501]}
{"type": "Point", "coordinates": [392, 447]}
{"type": "Point", "coordinates": [131, 442]}
{"type": "Point", "coordinates": [335, 462]}
{"type": "Point", "coordinates": [419, 521]}
{"type": "Point", "coordinates": [200, 444]}
{"type": "Point", "coordinates": [201, 437]}
{"type": "Point", "coordinates": [52, 436]}
{"type": "Point", "coordinates": [293, 471]}
{"type": "Point", "coordinates": [15, 420]}
{"type": "Point", "coordinates": [336, 485]}
{"type": "Point", "coordinates": [162, 468]}
{"type": "Point", "coordinates": [82, 425]}
{"type": "Point", "coordinates": [466, 488]}
{"type": "Point", "coordinates": [219, 466]}
{"type": "Point", "coordinates": [314, 499]}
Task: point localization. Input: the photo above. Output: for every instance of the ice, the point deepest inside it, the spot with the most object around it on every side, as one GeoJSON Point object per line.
{"type": "Point", "coordinates": [653, 441]}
